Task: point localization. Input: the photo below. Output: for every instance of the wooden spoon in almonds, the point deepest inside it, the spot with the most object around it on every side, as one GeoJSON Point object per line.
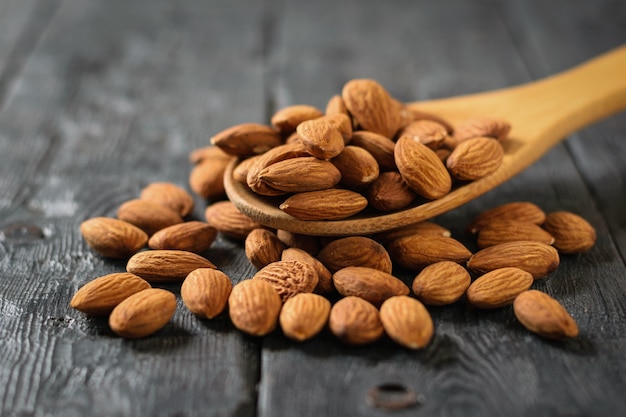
{"type": "Point", "coordinates": [541, 113]}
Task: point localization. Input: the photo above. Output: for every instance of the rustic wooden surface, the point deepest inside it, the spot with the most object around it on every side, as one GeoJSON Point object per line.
{"type": "Point", "coordinates": [98, 99]}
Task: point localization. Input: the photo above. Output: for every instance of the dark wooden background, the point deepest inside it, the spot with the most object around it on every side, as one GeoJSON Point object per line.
{"type": "Point", "coordinates": [100, 98]}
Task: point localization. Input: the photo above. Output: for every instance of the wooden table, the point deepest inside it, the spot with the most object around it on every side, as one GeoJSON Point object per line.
{"type": "Point", "coordinates": [98, 99]}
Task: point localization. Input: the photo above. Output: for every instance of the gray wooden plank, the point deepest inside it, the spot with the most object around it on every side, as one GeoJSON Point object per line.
{"type": "Point", "coordinates": [99, 111]}
{"type": "Point", "coordinates": [480, 363]}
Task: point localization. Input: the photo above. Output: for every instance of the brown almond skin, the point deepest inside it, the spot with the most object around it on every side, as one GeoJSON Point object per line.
{"type": "Point", "coordinates": [503, 231]}
{"type": "Point", "coordinates": [169, 195]}
{"type": "Point", "coordinates": [254, 306]}
{"type": "Point", "coordinates": [498, 288]}
{"type": "Point", "coordinates": [372, 106]}
{"type": "Point", "coordinates": [428, 132]}
{"type": "Point", "coordinates": [475, 158]}
{"type": "Point", "coordinates": [166, 265]}
{"type": "Point", "coordinates": [274, 155]}
{"type": "Point", "coordinates": [421, 168]}
{"type": "Point", "coordinates": [205, 292]}
{"type": "Point", "coordinates": [113, 238]}
{"type": "Point", "coordinates": [355, 321]}
{"type": "Point", "coordinates": [343, 123]}
{"type": "Point", "coordinates": [143, 313]}
{"type": "Point", "coordinates": [389, 192]}
{"type": "Point", "coordinates": [192, 236]}
{"type": "Point", "coordinates": [263, 247]}
{"type": "Point", "coordinates": [288, 118]}
{"type": "Point", "coordinates": [370, 284]}
{"type": "Point", "coordinates": [100, 296]}
{"type": "Point", "coordinates": [331, 204]}
{"type": "Point", "coordinates": [300, 174]}
{"type": "Point", "coordinates": [336, 105]}
{"type": "Point", "coordinates": [355, 251]}
{"type": "Point", "coordinates": [304, 316]}
{"type": "Point", "coordinates": [289, 278]}
{"type": "Point", "coordinates": [441, 283]}
{"type": "Point", "coordinates": [414, 114]}
{"type": "Point", "coordinates": [308, 243]}
{"type": "Point", "coordinates": [147, 215]}
{"type": "Point", "coordinates": [228, 220]}
{"type": "Point", "coordinates": [522, 211]}
{"type": "Point", "coordinates": [543, 315]}
{"type": "Point", "coordinates": [415, 252]}
{"type": "Point", "coordinates": [207, 178]}
{"type": "Point", "coordinates": [537, 258]}
{"type": "Point", "coordinates": [357, 167]}
{"type": "Point", "coordinates": [240, 173]}
{"type": "Point", "coordinates": [321, 138]}
{"type": "Point", "coordinates": [379, 146]}
{"type": "Point", "coordinates": [407, 322]}
{"type": "Point", "coordinates": [247, 139]}
{"type": "Point", "coordinates": [572, 233]}
{"type": "Point", "coordinates": [494, 128]}
{"type": "Point", "coordinates": [325, 278]}
{"type": "Point", "coordinates": [207, 152]}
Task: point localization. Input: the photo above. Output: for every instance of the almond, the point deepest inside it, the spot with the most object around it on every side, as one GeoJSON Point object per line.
{"type": "Point", "coordinates": [288, 118]}
{"type": "Point", "coordinates": [427, 132]}
{"type": "Point", "coordinates": [100, 296]}
{"type": "Point", "coordinates": [355, 321]}
{"type": "Point", "coordinates": [522, 211]}
{"type": "Point", "coordinates": [254, 306]}
{"type": "Point", "coordinates": [263, 247]}
{"type": "Point", "coordinates": [370, 284]}
{"type": "Point", "coordinates": [357, 167]}
{"type": "Point", "coordinates": [169, 195]}
{"type": "Point", "coordinates": [300, 174]}
{"type": "Point", "coordinates": [228, 220]}
{"type": "Point", "coordinates": [475, 158]}
{"type": "Point", "coordinates": [289, 278]}
{"type": "Point", "coordinates": [572, 233]}
{"type": "Point", "coordinates": [379, 146]}
{"type": "Point", "coordinates": [246, 139]}
{"type": "Point", "coordinates": [498, 288]}
{"type": "Point", "coordinates": [143, 313]}
{"type": "Point", "coordinates": [205, 292]}
{"type": "Point", "coordinates": [274, 155]}
{"type": "Point", "coordinates": [407, 322]}
{"type": "Point", "coordinates": [415, 114]}
{"type": "Point", "coordinates": [342, 122]}
{"type": "Point", "coordinates": [207, 178]}
{"type": "Point", "coordinates": [421, 168]}
{"type": "Point", "coordinates": [325, 279]}
{"type": "Point", "coordinates": [537, 258]}
{"type": "Point", "coordinates": [321, 138]}
{"type": "Point", "coordinates": [502, 231]}
{"type": "Point", "coordinates": [165, 265]}
{"type": "Point", "coordinates": [543, 315]}
{"type": "Point", "coordinates": [424, 228]}
{"type": "Point", "coordinates": [331, 204]}
{"type": "Point", "coordinates": [494, 128]}
{"type": "Point", "coordinates": [113, 238]}
{"type": "Point", "coordinates": [441, 283]}
{"type": "Point", "coordinates": [304, 316]}
{"type": "Point", "coordinates": [148, 216]}
{"type": "Point", "coordinates": [355, 251]}
{"type": "Point", "coordinates": [193, 236]}
{"type": "Point", "coordinates": [372, 106]}
{"type": "Point", "coordinates": [336, 105]}
{"type": "Point", "coordinates": [389, 192]}
{"type": "Point", "coordinates": [416, 252]}
{"type": "Point", "coordinates": [240, 173]}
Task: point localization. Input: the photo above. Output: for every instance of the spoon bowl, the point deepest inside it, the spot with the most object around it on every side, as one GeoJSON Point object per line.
{"type": "Point", "coordinates": [541, 113]}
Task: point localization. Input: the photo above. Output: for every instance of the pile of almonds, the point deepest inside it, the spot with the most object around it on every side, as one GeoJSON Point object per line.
{"type": "Point", "coordinates": [394, 155]}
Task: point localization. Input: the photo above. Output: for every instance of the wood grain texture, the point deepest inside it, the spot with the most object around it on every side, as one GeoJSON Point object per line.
{"type": "Point", "coordinates": [106, 97]}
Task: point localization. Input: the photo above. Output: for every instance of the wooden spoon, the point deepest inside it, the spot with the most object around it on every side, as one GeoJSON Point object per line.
{"type": "Point", "coordinates": [541, 113]}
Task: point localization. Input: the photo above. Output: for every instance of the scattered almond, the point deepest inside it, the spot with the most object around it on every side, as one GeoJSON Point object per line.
{"type": "Point", "coordinates": [503, 231]}
{"type": "Point", "coordinates": [370, 284]}
{"type": "Point", "coordinates": [355, 251]}
{"type": "Point", "coordinates": [169, 195]}
{"type": "Point", "coordinates": [192, 236]}
{"type": "Point", "coordinates": [228, 220]}
{"type": "Point", "coordinates": [304, 315]}
{"type": "Point", "coordinates": [100, 296]}
{"type": "Point", "coordinates": [205, 292]}
{"type": "Point", "coordinates": [522, 211]}
{"type": "Point", "coordinates": [263, 247]}
{"type": "Point", "coordinates": [415, 252]}
{"type": "Point", "coordinates": [499, 287]}
{"type": "Point", "coordinates": [537, 258]}
{"type": "Point", "coordinates": [254, 306]}
{"type": "Point", "coordinates": [143, 313]}
{"type": "Point", "coordinates": [246, 139]}
{"type": "Point", "coordinates": [325, 279]}
{"type": "Point", "coordinates": [572, 233]}
{"type": "Point", "coordinates": [113, 238]}
{"type": "Point", "coordinates": [543, 315]}
{"type": "Point", "coordinates": [355, 321]}
{"type": "Point", "coordinates": [147, 215]}
{"type": "Point", "coordinates": [441, 283]}
{"type": "Point", "coordinates": [289, 278]}
{"type": "Point", "coordinates": [407, 322]}
{"type": "Point", "coordinates": [165, 265]}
